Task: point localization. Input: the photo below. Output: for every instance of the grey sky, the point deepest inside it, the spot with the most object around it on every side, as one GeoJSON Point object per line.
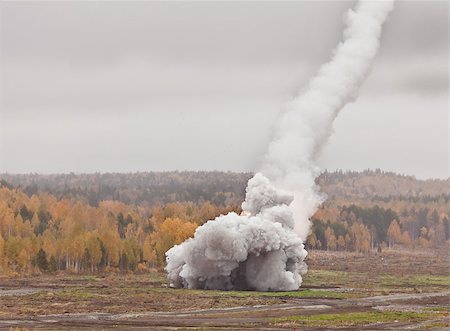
{"type": "Point", "coordinates": [128, 86]}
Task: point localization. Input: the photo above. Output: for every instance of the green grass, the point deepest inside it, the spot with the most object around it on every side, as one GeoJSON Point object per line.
{"type": "Point", "coordinates": [358, 318]}
{"type": "Point", "coordinates": [66, 294]}
{"type": "Point", "coordinates": [84, 278]}
{"type": "Point", "coordinates": [374, 282]}
{"type": "Point", "coordinates": [415, 280]}
{"type": "Point", "coordinates": [326, 278]}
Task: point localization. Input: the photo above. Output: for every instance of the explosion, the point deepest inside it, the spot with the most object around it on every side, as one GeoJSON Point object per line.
{"type": "Point", "coordinates": [263, 249]}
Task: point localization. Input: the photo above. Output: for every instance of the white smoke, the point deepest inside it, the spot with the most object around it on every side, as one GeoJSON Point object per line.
{"type": "Point", "coordinates": [263, 249]}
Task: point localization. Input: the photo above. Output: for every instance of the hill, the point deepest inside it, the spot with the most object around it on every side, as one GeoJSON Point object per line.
{"type": "Point", "coordinates": [221, 188]}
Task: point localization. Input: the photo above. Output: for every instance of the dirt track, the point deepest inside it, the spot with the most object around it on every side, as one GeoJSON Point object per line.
{"type": "Point", "coordinates": [255, 317]}
{"type": "Point", "coordinates": [345, 291]}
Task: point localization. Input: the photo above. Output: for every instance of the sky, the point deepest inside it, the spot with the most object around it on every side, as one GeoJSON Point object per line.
{"type": "Point", "coordinates": [150, 86]}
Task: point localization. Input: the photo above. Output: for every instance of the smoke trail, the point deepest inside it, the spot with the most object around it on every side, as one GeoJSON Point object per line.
{"type": "Point", "coordinates": [263, 248]}
{"type": "Point", "coordinates": [305, 125]}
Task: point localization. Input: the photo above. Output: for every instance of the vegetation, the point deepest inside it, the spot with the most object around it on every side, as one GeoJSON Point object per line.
{"type": "Point", "coordinates": [147, 189]}
{"type": "Point", "coordinates": [126, 222]}
{"type": "Point", "coordinates": [358, 318]}
{"type": "Point", "coordinates": [44, 233]}
{"type": "Point", "coordinates": [328, 298]}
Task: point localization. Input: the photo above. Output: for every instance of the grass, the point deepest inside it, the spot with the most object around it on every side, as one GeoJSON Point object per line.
{"type": "Point", "coordinates": [322, 277]}
{"type": "Point", "coordinates": [377, 284]}
{"type": "Point", "coordinates": [436, 325]}
{"type": "Point", "coordinates": [69, 294]}
{"type": "Point", "coordinates": [357, 318]}
{"type": "Point", "coordinates": [381, 282]}
{"type": "Point", "coordinates": [439, 309]}
{"type": "Point", "coordinates": [77, 293]}
{"type": "Point", "coordinates": [83, 278]}
{"type": "Point", "coordinates": [415, 280]}
{"type": "Point", "coordinates": [302, 293]}
{"type": "Point", "coordinates": [291, 294]}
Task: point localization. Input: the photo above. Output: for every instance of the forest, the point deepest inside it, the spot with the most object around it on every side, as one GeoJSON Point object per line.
{"type": "Point", "coordinates": [126, 222]}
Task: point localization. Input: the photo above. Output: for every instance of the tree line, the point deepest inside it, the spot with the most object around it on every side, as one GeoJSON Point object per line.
{"type": "Point", "coordinates": [41, 229]}
{"type": "Point", "coordinates": [356, 228]}
{"type": "Point", "coordinates": [146, 189]}
{"type": "Point", "coordinates": [220, 188]}
{"type": "Point", "coordinates": [43, 233]}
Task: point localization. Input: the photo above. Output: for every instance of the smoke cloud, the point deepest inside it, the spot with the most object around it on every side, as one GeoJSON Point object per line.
{"type": "Point", "coordinates": [263, 249]}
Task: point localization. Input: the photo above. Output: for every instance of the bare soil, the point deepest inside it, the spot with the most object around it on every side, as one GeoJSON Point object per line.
{"type": "Point", "coordinates": [392, 290]}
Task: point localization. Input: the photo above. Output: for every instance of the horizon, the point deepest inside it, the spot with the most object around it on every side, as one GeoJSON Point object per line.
{"type": "Point", "coordinates": [322, 171]}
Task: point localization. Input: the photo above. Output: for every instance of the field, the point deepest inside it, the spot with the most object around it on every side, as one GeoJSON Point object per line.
{"type": "Point", "coordinates": [389, 290]}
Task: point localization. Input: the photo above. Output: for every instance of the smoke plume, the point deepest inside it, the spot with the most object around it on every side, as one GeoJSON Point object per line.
{"type": "Point", "coordinates": [262, 248]}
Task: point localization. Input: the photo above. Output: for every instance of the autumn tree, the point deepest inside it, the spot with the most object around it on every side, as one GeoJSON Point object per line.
{"type": "Point", "coordinates": [405, 239]}
{"type": "Point", "coordinates": [423, 238]}
{"type": "Point", "coordinates": [93, 250]}
{"type": "Point", "coordinates": [112, 243]}
{"type": "Point", "coordinates": [330, 239]}
{"type": "Point", "coordinates": [171, 232]}
{"type": "Point", "coordinates": [2, 252]}
{"type": "Point", "coordinates": [360, 237]}
{"type": "Point", "coordinates": [313, 242]}
{"type": "Point", "coordinates": [394, 233]}
{"type": "Point", "coordinates": [341, 243]}
{"type": "Point", "coordinates": [117, 221]}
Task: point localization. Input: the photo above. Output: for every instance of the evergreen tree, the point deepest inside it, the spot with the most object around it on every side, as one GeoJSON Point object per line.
{"type": "Point", "coordinates": [53, 264]}
{"type": "Point", "coordinates": [41, 260]}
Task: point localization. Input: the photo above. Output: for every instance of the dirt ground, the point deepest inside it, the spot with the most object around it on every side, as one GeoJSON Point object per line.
{"type": "Point", "coordinates": [392, 290]}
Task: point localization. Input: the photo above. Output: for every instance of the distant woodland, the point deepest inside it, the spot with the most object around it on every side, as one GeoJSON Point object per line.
{"type": "Point", "coordinates": [126, 222]}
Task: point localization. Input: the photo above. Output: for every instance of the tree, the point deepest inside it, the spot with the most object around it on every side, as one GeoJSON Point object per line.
{"type": "Point", "coordinates": [330, 238]}
{"type": "Point", "coordinates": [405, 239]}
{"type": "Point", "coordinates": [93, 250]}
{"type": "Point", "coordinates": [35, 224]}
{"type": "Point", "coordinates": [12, 251]}
{"type": "Point", "coordinates": [348, 241]}
{"type": "Point", "coordinates": [394, 233]}
{"type": "Point", "coordinates": [53, 264]}
{"type": "Point", "coordinates": [423, 240]}
{"type": "Point", "coordinates": [312, 241]}
{"type": "Point", "coordinates": [360, 237]}
{"type": "Point", "coordinates": [123, 263]}
{"type": "Point", "coordinates": [171, 232]}
{"type": "Point", "coordinates": [7, 223]}
{"type": "Point", "coordinates": [341, 243]}
{"type": "Point", "coordinates": [2, 252]}
{"type": "Point", "coordinates": [18, 224]}
{"type": "Point", "coordinates": [131, 255]}
{"type": "Point", "coordinates": [111, 241]}
{"type": "Point", "coordinates": [435, 217]}
{"type": "Point", "coordinates": [446, 223]}
{"type": "Point", "coordinates": [77, 249]}
{"type": "Point", "coordinates": [41, 260]}
{"type": "Point", "coordinates": [432, 236]}
{"type": "Point", "coordinates": [149, 251]}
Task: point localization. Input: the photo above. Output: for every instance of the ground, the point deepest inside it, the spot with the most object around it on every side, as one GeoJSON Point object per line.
{"type": "Point", "coordinates": [379, 291]}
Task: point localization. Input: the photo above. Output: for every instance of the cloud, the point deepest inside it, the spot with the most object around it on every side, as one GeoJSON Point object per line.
{"type": "Point", "coordinates": [97, 86]}
{"type": "Point", "coordinates": [426, 74]}
{"type": "Point", "coordinates": [403, 132]}
{"type": "Point", "coordinates": [136, 82]}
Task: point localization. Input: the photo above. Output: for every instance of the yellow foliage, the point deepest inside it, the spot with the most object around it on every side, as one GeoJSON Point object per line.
{"type": "Point", "coordinates": [172, 231]}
